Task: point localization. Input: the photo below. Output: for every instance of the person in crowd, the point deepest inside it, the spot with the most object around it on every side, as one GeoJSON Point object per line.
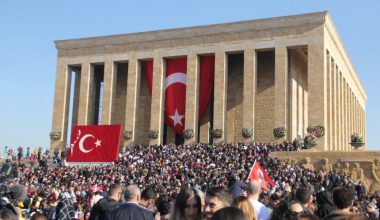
{"type": "Point", "coordinates": [229, 213]}
{"type": "Point", "coordinates": [38, 216]}
{"type": "Point", "coordinates": [325, 204]}
{"type": "Point", "coordinates": [373, 212]}
{"type": "Point", "coordinates": [109, 203]}
{"type": "Point", "coordinates": [65, 209]}
{"type": "Point", "coordinates": [343, 199]}
{"type": "Point", "coordinates": [187, 205]}
{"type": "Point", "coordinates": [305, 196]}
{"type": "Point", "coordinates": [131, 210]}
{"type": "Point", "coordinates": [245, 205]}
{"type": "Point", "coordinates": [164, 207]}
{"type": "Point", "coordinates": [148, 198]}
{"type": "Point", "coordinates": [235, 186]}
{"type": "Point", "coordinates": [52, 202]}
{"type": "Point", "coordinates": [254, 190]}
{"type": "Point", "coordinates": [216, 198]}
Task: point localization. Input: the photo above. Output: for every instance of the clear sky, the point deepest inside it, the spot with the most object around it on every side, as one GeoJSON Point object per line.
{"type": "Point", "coordinates": [28, 55]}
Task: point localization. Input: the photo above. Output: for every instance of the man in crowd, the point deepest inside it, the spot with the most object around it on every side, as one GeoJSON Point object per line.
{"type": "Point", "coordinates": [110, 203]}
{"type": "Point", "coordinates": [131, 210]}
{"type": "Point", "coordinates": [65, 209]}
{"type": "Point", "coordinates": [216, 198]}
{"type": "Point", "coordinates": [305, 197]}
{"type": "Point", "coordinates": [343, 199]}
{"type": "Point", "coordinates": [148, 198]}
{"type": "Point", "coordinates": [254, 190]}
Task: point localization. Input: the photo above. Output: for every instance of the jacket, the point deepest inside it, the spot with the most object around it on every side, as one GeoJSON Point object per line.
{"type": "Point", "coordinates": [103, 206]}
{"type": "Point", "coordinates": [130, 211]}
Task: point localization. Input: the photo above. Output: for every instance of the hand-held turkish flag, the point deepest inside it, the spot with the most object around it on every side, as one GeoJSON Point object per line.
{"type": "Point", "coordinates": [258, 173]}
{"type": "Point", "coordinates": [94, 143]}
{"type": "Point", "coordinates": [175, 93]}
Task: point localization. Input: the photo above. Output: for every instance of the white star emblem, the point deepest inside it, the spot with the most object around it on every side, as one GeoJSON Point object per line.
{"type": "Point", "coordinates": [98, 143]}
{"type": "Point", "coordinates": [177, 118]}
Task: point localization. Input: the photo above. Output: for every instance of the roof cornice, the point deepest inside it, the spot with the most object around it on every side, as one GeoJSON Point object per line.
{"type": "Point", "coordinates": [196, 31]}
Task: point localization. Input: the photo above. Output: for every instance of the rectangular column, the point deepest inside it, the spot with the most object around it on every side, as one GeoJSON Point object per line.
{"type": "Point", "coordinates": [352, 114]}
{"type": "Point", "coordinates": [349, 116]}
{"type": "Point", "coordinates": [220, 94]}
{"type": "Point", "coordinates": [339, 110]}
{"type": "Point", "coordinates": [345, 142]}
{"type": "Point", "coordinates": [192, 91]}
{"type": "Point", "coordinates": [292, 122]}
{"type": "Point", "coordinates": [329, 104]}
{"type": "Point", "coordinates": [300, 109]}
{"type": "Point", "coordinates": [355, 115]}
{"type": "Point", "coordinates": [157, 107]}
{"type": "Point", "coordinates": [365, 130]}
{"type": "Point", "coordinates": [334, 107]}
{"type": "Point", "coordinates": [61, 104]}
{"type": "Point", "coordinates": [109, 92]}
{"type": "Point", "coordinates": [317, 89]}
{"type": "Point", "coordinates": [87, 77]}
{"type": "Point", "coordinates": [133, 92]}
{"type": "Point", "coordinates": [281, 88]}
{"type": "Point", "coordinates": [249, 91]}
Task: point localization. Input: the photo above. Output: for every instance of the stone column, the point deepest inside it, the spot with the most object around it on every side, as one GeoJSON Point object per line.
{"type": "Point", "coordinates": [133, 92]}
{"type": "Point", "coordinates": [317, 89]}
{"type": "Point", "coordinates": [61, 105]}
{"type": "Point", "coordinates": [249, 91]}
{"type": "Point", "coordinates": [157, 107]}
{"type": "Point", "coordinates": [109, 92]}
{"type": "Point", "coordinates": [365, 129]}
{"type": "Point", "coordinates": [281, 89]}
{"type": "Point", "coordinates": [334, 108]}
{"type": "Point", "coordinates": [355, 115]}
{"type": "Point", "coordinates": [293, 96]}
{"type": "Point", "coordinates": [329, 104]}
{"type": "Point", "coordinates": [349, 116]}
{"type": "Point", "coordinates": [344, 116]}
{"type": "Point", "coordinates": [192, 91]}
{"type": "Point", "coordinates": [339, 110]}
{"type": "Point", "coordinates": [220, 94]}
{"type": "Point", "coordinates": [85, 101]}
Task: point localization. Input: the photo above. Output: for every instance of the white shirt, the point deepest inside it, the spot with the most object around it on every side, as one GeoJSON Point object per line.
{"type": "Point", "coordinates": [261, 210]}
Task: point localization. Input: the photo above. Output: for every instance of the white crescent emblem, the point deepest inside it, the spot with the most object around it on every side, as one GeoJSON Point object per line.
{"type": "Point", "coordinates": [81, 148]}
{"type": "Point", "coordinates": [175, 78]}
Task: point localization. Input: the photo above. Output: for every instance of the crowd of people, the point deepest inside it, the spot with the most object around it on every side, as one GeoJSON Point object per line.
{"type": "Point", "coordinates": [191, 182]}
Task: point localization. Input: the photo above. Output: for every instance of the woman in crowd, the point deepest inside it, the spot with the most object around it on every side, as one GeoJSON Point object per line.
{"type": "Point", "coordinates": [245, 205]}
{"type": "Point", "coordinates": [187, 205]}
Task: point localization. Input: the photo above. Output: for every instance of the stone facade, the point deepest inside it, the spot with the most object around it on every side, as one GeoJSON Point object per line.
{"type": "Point", "coordinates": [360, 166]}
{"type": "Point", "coordinates": [287, 71]}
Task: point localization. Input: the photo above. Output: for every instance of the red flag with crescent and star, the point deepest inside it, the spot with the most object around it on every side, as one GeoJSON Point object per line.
{"type": "Point", "coordinates": [175, 88]}
{"type": "Point", "coordinates": [258, 173]}
{"type": "Point", "coordinates": [175, 93]}
{"type": "Point", "coordinates": [94, 143]}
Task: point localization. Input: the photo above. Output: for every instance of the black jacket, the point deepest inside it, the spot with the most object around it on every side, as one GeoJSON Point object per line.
{"type": "Point", "coordinates": [130, 211]}
{"type": "Point", "coordinates": [102, 206]}
{"type": "Point", "coordinates": [325, 204]}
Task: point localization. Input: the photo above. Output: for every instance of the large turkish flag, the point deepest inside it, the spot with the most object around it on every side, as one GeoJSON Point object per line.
{"type": "Point", "coordinates": [175, 88]}
{"type": "Point", "coordinates": [94, 143]}
{"type": "Point", "coordinates": [175, 93]}
{"type": "Point", "coordinates": [258, 173]}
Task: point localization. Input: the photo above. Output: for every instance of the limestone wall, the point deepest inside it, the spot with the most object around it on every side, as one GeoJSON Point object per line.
{"type": "Point", "coordinates": [264, 122]}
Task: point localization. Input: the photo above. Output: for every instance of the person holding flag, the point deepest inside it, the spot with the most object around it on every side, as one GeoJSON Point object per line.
{"type": "Point", "coordinates": [259, 174]}
{"type": "Point", "coordinates": [258, 180]}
